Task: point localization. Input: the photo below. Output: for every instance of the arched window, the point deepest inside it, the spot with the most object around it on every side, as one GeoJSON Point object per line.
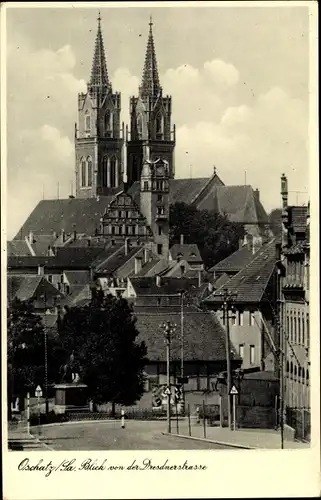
{"type": "Point", "coordinates": [287, 367]}
{"type": "Point", "coordinates": [299, 328]}
{"type": "Point", "coordinates": [303, 329]}
{"type": "Point", "coordinates": [291, 328]}
{"type": "Point", "coordinates": [83, 172]}
{"type": "Point", "coordinates": [295, 371]}
{"type": "Point", "coordinates": [308, 330]}
{"type": "Point", "coordinates": [300, 373]}
{"type": "Point", "coordinates": [89, 171]}
{"type": "Point", "coordinates": [87, 122]}
{"type": "Point", "coordinates": [291, 369]}
{"type": "Point", "coordinates": [108, 123]}
{"type": "Point", "coordinates": [104, 172]}
{"type": "Point", "coordinates": [295, 339]}
{"type": "Point", "coordinates": [307, 376]}
{"type": "Point", "coordinates": [139, 124]}
{"type": "Point", "coordinates": [113, 165]}
{"type": "Point", "coordinates": [303, 375]}
{"type": "Point", "coordinates": [159, 126]}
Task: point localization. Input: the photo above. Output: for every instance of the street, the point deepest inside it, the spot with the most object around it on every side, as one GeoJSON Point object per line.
{"type": "Point", "coordinates": [108, 435]}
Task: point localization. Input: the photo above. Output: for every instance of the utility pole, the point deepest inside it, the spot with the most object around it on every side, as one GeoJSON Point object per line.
{"type": "Point", "coordinates": [228, 297]}
{"type": "Point", "coordinates": [168, 328]}
{"type": "Point", "coordinates": [182, 334]}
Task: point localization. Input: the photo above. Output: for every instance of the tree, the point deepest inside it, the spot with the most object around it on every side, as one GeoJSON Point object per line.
{"type": "Point", "coordinates": [26, 350]}
{"type": "Point", "coordinates": [216, 236]}
{"type": "Point", "coordinates": [102, 339]}
{"type": "Point", "coordinates": [275, 219]}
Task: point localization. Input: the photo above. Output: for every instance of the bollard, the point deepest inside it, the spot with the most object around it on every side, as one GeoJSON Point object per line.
{"type": "Point", "coordinates": [123, 419]}
{"type": "Point", "coordinates": [198, 415]}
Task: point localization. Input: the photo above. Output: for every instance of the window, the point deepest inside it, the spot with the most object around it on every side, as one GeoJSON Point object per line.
{"type": "Point", "coordinates": [158, 301]}
{"type": "Point", "coordinates": [287, 326]}
{"type": "Point", "coordinates": [251, 318]}
{"type": "Point", "coordinates": [104, 172]}
{"type": "Point", "coordinates": [159, 197]}
{"type": "Point", "coordinates": [160, 231]}
{"type": "Point", "coordinates": [159, 185]}
{"type": "Point", "coordinates": [291, 328]}
{"type": "Point", "coordinates": [303, 329]}
{"type": "Point", "coordinates": [240, 318]}
{"type": "Point", "coordinates": [299, 328]}
{"type": "Point", "coordinates": [113, 166]}
{"type": "Point", "coordinates": [83, 173]}
{"type": "Point", "coordinates": [50, 278]}
{"type": "Point", "coordinates": [295, 339]}
{"type": "Point", "coordinates": [62, 278]}
{"type": "Point", "coordinates": [159, 127]}
{"type": "Point", "coordinates": [241, 350]}
{"type": "Point", "coordinates": [160, 210]}
{"type": "Point", "coordinates": [145, 185]}
{"type": "Point", "coordinates": [252, 354]}
{"type": "Point", "coordinates": [112, 229]}
{"type": "Point", "coordinates": [87, 122]}
{"type": "Point", "coordinates": [159, 249]}
{"type": "Point", "coordinates": [233, 318]}
{"type": "Point", "coordinates": [308, 330]}
{"type": "Point", "coordinates": [120, 214]}
{"type": "Point", "coordinates": [127, 214]}
{"type": "Point", "coordinates": [139, 126]}
{"type": "Point", "coordinates": [89, 172]}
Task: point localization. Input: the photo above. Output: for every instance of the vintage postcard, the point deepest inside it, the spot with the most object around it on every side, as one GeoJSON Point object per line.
{"type": "Point", "coordinates": [159, 240]}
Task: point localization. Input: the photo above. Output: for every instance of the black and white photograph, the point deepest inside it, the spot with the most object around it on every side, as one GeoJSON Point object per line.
{"type": "Point", "coordinates": [159, 178]}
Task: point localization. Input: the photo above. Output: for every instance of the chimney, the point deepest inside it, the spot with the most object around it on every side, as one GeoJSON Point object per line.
{"type": "Point", "coordinates": [199, 278]}
{"type": "Point", "coordinates": [63, 236]}
{"type": "Point", "coordinates": [41, 270]}
{"type": "Point", "coordinates": [30, 237]}
{"type": "Point", "coordinates": [75, 235]}
{"type": "Point", "coordinates": [257, 194]}
{"type": "Point", "coordinates": [126, 246]}
{"type": "Point", "coordinates": [182, 239]}
{"type": "Point", "coordinates": [138, 264]}
{"type": "Point", "coordinates": [284, 191]}
{"type": "Point", "coordinates": [158, 280]}
{"type": "Point", "coordinates": [89, 242]}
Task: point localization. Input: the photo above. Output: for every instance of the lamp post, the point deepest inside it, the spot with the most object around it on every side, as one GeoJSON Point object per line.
{"type": "Point", "coordinates": [228, 297]}
{"type": "Point", "coordinates": [169, 328]}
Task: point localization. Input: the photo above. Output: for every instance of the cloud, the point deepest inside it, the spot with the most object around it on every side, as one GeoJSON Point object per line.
{"type": "Point", "coordinates": [222, 73]}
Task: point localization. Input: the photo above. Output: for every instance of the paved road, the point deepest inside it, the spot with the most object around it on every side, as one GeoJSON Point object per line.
{"type": "Point", "coordinates": [109, 435]}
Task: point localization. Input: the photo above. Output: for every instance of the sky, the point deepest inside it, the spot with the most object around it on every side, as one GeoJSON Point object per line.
{"type": "Point", "coordinates": [238, 77]}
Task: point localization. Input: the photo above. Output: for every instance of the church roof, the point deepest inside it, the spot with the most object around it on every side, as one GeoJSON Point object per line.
{"type": "Point", "coordinates": [150, 86]}
{"type": "Point", "coordinates": [234, 262]}
{"type": "Point", "coordinates": [17, 247]}
{"type": "Point", "coordinates": [71, 214]}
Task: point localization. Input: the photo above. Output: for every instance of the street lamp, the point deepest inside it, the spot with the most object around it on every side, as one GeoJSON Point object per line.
{"type": "Point", "coordinates": [169, 328]}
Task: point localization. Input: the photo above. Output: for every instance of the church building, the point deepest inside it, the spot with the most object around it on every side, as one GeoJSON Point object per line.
{"type": "Point", "coordinates": [125, 177]}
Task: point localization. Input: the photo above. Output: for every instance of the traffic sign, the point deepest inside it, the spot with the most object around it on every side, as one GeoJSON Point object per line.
{"type": "Point", "coordinates": [38, 392]}
{"type": "Point", "coordinates": [233, 390]}
{"type": "Point", "coordinates": [167, 391]}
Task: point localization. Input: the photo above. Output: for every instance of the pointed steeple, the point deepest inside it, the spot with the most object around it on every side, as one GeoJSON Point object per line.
{"type": "Point", "coordinates": [150, 86]}
{"type": "Point", "coordinates": [99, 80]}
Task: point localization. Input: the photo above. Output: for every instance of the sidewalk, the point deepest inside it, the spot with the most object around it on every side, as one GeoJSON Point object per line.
{"type": "Point", "coordinates": [20, 438]}
{"type": "Point", "coordinates": [251, 438]}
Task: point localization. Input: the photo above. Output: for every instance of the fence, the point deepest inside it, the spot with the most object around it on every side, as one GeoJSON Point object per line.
{"type": "Point", "coordinates": [300, 420]}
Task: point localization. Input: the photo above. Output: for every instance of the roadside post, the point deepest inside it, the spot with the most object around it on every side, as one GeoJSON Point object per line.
{"type": "Point", "coordinates": [189, 420]}
{"type": "Point", "coordinates": [123, 419]}
{"type": "Point", "coordinates": [233, 393]}
{"type": "Point", "coordinates": [28, 413]}
{"type": "Point", "coordinates": [198, 415]}
{"type": "Point", "coordinates": [204, 420]}
{"type": "Point", "coordinates": [38, 395]}
{"type": "Point", "coordinates": [221, 410]}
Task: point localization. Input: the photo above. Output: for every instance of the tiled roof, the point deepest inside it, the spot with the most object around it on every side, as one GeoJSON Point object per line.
{"type": "Point", "coordinates": [221, 281]}
{"type": "Point", "coordinates": [234, 262]}
{"type": "Point", "coordinates": [18, 248]}
{"type": "Point", "coordinates": [179, 189]}
{"type": "Point", "coordinates": [32, 286]}
{"type": "Point", "coordinates": [116, 260]}
{"type": "Point", "coordinates": [188, 252]}
{"type": "Point", "coordinates": [168, 286]}
{"type": "Point", "coordinates": [41, 242]}
{"type": "Point", "coordinates": [204, 337]}
{"type": "Point", "coordinates": [250, 283]}
{"type": "Point", "coordinates": [72, 214]}
{"type": "Point", "coordinates": [78, 277]}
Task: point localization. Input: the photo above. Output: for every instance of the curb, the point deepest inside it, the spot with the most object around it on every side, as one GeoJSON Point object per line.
{"type": "Point", "coordinates": [223, 443]}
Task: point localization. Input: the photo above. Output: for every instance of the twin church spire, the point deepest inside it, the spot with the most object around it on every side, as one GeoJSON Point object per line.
{"type": "Point", "coordinates": [99, 79]}
{"type": "Point", "coordinates": [150, 86]}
